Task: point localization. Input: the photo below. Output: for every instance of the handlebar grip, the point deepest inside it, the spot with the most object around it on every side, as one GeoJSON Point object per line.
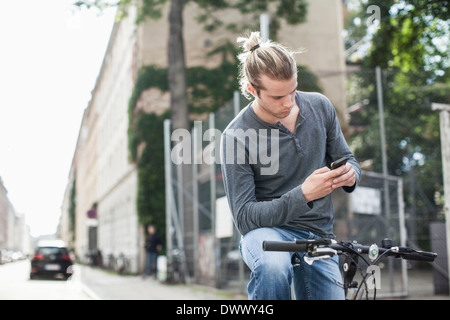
{"type": "Point", "coordinates": [420, 256]}
{"type": "Point", "coordinates": [284, 246]}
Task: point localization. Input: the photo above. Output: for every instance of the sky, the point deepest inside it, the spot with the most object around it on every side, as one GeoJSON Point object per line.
{"type": "Point", "coordinates": [50, 57]}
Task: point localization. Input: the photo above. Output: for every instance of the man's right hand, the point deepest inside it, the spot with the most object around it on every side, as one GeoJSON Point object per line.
{"type": "Point", "coordinates": [320, 182]}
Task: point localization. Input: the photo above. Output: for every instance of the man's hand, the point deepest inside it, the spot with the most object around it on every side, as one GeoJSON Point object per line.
{"type": "Point", "coordinates": [346, 177]}
{"type": "Point", "coordinates": [323, 181]}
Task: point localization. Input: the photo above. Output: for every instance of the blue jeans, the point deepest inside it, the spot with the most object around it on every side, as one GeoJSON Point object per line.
{"type": "Point", "coordinates": [151, 263]}
{"type": "Point", "coordinates": [272, 272]}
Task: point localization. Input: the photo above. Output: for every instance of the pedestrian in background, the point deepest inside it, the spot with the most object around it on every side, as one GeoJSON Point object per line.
{"type": "Point", "coordinates": [153, 245]}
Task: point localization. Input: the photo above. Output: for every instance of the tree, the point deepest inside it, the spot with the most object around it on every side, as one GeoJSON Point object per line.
{"type": "Point", "coordinates": [177, 67]}
{"type": "Point", "coordinates": [411, 46]}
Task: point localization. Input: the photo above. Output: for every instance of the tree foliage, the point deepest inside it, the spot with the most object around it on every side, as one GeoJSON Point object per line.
{"type": "Point", "coordinates": [411, 46]}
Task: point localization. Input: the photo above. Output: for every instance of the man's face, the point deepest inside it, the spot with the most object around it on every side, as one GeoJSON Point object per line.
{"type": "Point", "coordinates": [276, 98]}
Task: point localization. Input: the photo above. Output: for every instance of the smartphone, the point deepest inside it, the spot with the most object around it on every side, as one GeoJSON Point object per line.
{"type": "Point", "coordinates": [340, 162]}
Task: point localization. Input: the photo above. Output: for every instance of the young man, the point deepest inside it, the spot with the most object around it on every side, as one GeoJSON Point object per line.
{"type": "Point", "coordinates": [275, 158]}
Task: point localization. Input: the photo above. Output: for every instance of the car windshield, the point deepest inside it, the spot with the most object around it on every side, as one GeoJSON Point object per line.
{"type": "Point", "coordinates": [50, 250]}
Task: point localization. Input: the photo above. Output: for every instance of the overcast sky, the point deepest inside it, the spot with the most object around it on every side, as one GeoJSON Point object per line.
{"type": "Point", "coordinates": [49, 62]}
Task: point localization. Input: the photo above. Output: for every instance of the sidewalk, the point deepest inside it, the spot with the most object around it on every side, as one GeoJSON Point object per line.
{"type": "Point", "coordinates": [421, 287]}
{"type": "Point", "coordinates": [104, 285]}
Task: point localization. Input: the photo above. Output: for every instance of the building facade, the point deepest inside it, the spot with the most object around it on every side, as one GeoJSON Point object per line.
{"type": "Point", "coordinates": [14, 232]}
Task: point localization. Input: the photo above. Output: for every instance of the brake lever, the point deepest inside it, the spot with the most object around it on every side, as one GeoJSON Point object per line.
{"type": "Point", "coordinates": [319, 253]}
{"type": "Point", "coordinates": [310, 260]}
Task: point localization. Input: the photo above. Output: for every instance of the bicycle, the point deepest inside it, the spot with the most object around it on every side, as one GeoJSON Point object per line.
{"type": "Point", "coordinates": [121, 264]}
{"type": "Point", "coordinates": [352, 251]}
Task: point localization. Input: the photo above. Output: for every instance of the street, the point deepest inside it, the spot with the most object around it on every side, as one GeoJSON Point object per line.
{"type": "Point", "coordinates": [88, 283]}
{"type": "Point", "coordinates": [16, 285]}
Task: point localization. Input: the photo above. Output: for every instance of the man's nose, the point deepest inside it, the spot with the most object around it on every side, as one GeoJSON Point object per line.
{"type": "Point", "coordinates": [289, 100]}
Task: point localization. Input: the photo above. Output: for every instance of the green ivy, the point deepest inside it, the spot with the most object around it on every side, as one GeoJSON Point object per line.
{"type": "Point", "coordinates": [208, 90]}
{"type": "Point", "coordinates": [211, 89]}
{"type": "Point", "coordinates": [72, 209]}
{"type": "Point", "coordinates": [150, 166]}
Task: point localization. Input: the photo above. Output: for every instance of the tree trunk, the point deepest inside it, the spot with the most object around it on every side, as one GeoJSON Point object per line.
{"type": "Point", "coordinates": [177, 67]}
{"type": "Point", "coordinates": [180, 120]}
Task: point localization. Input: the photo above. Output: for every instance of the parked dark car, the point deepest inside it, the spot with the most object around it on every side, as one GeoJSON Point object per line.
{"type": "Point", "coordinates": [51, 259]}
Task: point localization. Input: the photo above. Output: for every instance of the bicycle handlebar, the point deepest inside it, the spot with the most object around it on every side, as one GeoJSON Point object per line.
{"type": "Point", "coordinates": [312, 246]}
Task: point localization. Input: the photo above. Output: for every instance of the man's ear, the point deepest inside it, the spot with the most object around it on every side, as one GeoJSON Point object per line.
{"type": "Point", "coordinates": [251, 89]}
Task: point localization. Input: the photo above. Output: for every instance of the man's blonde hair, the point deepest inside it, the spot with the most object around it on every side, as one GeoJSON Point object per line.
{"type": "Point", "coordinates": [263, 58]}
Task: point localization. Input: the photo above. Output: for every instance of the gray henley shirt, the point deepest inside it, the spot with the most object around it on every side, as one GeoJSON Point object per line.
{"type": "Point", "coordinates": [264, 165]}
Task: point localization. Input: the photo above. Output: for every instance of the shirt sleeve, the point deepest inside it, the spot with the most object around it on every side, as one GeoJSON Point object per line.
{"type": "Point", "coordinates": [337, 146]}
